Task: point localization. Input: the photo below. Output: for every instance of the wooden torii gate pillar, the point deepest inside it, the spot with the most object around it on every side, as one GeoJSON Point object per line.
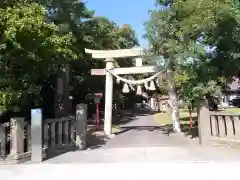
{"type": "Point", "coordinates": [109, 56]}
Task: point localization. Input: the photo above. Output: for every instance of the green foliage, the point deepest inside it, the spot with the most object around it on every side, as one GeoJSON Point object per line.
{"type": "Point", "coordinates": [101, 34]}
{"type": "Point", "coordinates": [30, 49]}
{"type": "Point", "coordinates": [37, 36]}
{"type": "Point", "coordinates": [175, 28]}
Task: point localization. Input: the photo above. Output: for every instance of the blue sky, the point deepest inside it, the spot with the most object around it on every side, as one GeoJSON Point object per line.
{"type": "Point", "coordinates": [133, 12]}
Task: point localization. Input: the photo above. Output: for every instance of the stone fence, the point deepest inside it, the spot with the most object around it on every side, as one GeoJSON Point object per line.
{"type": "Point", "coordinates": [217, 126]}
{"type": "Point", "coordinates": [57, 135]}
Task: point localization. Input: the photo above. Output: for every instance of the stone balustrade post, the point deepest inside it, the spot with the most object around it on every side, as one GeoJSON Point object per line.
{"type": "Point", "coordinates": [204, 128]}
{"type": "Point", "coordinates": [81, 126]}
{"type": "Point", "coordinates": [17, 136]}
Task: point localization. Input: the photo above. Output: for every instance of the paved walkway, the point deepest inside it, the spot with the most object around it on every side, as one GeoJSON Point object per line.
{"type": "Point", "coordinates": [144, 132]}
{"type": "Point", "coordinates": [144, 141]}
{"type": "Point", "coordinates": [135, 145]}
{"type": "Point", "coordinates": [140, 171]}
{"type": "Point", "coordinates": [150, 154]}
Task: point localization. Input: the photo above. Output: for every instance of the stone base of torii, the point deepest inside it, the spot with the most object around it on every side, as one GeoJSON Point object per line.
{"type": "Point", "coordinates": [109, 56]}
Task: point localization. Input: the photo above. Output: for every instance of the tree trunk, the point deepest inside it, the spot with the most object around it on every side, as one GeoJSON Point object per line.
{"type": "Point", "coordinates": [158, 102]}
{"type": "Point", "coordinates": [190, 115]}
{"type": "Point", "coordinates": [173, 102]}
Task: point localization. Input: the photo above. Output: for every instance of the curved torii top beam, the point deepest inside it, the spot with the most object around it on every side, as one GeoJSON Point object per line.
{"type": "Point", "coordinates": [121, 53]}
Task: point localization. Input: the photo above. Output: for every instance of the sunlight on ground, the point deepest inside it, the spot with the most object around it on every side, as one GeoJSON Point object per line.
{"type": "Point", "coordinates": [165, 118]}
{"type": "Point", "coordinates": [93, 128]}
{"type": "Point", "coordinates": [116, 129]}
{"type": "Point", "coordinates": [235, 110]}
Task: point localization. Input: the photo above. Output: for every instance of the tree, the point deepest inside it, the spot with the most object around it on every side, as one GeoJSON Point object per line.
{"type": "Point", "coordinates": [214, 69]}
{"type": "Point", "coordinates": [30, 49]}
{"type": "Point", "coordinates": [179, 30]}
{"type": "Point", "coordinates": [38, 36]}
{"type": "Point", "coordinates": [90, 32]}
{"type": "Point", "coordinates": [101, 34]}
{"type": "Point", "coordinates": [164, 41]}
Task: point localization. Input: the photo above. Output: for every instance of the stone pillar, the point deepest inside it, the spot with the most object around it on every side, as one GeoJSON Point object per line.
{"type": "Point", "coordinates": [17, 137]}
{"type": "Point", "coordinates": [36, 135]}
{"type": "Point", "coordinates": [3, 140]}
{"type": "Point", "coordinates": [204, 123]}
{"type": "Point", "coordinates": [81, 126]}
{"type": "Point", "coordinates": [108, 98]}
{"type": "Point", "coordinates": [62, 101]}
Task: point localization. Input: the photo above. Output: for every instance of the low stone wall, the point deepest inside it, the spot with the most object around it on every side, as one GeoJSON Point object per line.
{"type": "Point", "coordinates": [57, 135]}
{"type": "Point", "coordinates": [217, 126]}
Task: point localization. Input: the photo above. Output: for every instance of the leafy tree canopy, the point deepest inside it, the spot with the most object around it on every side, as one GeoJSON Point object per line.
{"type": "Point", "coordinates": [181, 30]}
{"type": "Point", "coordinates": [37, 36]}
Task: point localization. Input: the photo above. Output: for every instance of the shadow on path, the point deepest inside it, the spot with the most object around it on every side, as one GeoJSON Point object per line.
{"type": "Point", "coordinates": [57, 152]}
{"type": "Point", "coordinates": [135, 131]}
{"type": "Point", "coordinates": [185, 127]}
{"type": "Point", "coordinates": [141, 128]}
{"type": "Point", "coordinates": [96, 141]}
{"type": "Point", "coordinates": [144, 132]}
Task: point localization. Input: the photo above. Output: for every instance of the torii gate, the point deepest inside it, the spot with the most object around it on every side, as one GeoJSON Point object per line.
{"type": "Point", "coordinates": [110, 71]}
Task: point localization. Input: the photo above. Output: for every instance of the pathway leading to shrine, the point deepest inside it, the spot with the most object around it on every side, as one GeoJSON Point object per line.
{"type": "Point", "coordinates": [144, 141]}
{"type": "Point", "coordinates": [144, 132]}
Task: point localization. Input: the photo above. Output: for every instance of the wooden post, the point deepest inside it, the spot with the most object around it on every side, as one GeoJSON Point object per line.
{"type": "Point", "coordinates": [204, 123]}
{"type": "Point", "coordinates": [59, 97]}
{"type": "Point", "coordinates": [66, 101]}
{"type": "Point", "coordinates": [62, 101]}
{"type": "Point", "coordinates": [17, 136]}
{"type": "Point", "coordinates": [108, 99]}
{"type": "Point", "coordinates": [81, 126]}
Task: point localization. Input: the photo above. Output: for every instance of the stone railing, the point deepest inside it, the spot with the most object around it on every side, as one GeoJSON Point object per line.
{"type": "Point", "coordinates": [217, 126]}
{"type": "Point", "coordinates": [57, 135]}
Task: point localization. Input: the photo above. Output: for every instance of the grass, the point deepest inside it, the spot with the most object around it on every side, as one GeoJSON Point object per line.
{"type": "Point", "coordinates": [165, 119]}
{"type": "Point", "coordinates": [234, 110]}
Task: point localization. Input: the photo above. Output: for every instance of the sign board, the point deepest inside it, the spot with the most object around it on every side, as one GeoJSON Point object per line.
{"type": "Point", "coordinates": [93, 95]}
{"type": "Point", "coordinates": [138, 62]}
{"type": "Point", "coordinates": [98, 72]}
{"type": "Point", "coordinates": [98, 95]}
{"type": "Point", "coordinates": [97, 100]}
